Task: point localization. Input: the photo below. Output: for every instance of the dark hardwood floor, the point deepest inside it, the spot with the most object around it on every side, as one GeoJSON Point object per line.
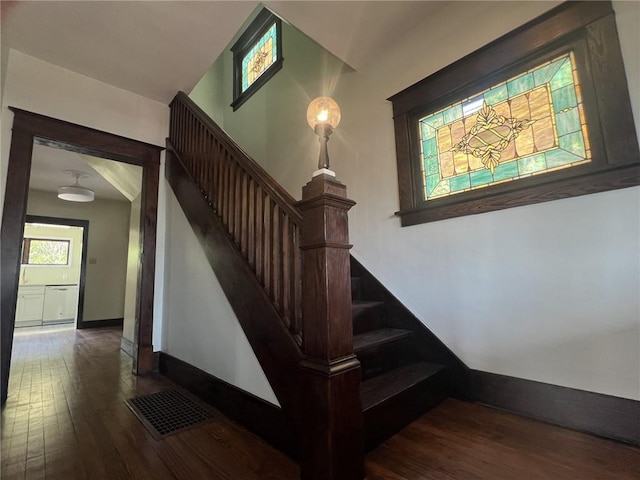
{"type": "Point", "coordinates": [65, 418]}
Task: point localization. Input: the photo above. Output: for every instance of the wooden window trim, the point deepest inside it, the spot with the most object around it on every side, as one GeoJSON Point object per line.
{"type": "Point", "coordinates": [247, 40]}
{"type": "Point", "coordinates": [588, 29]}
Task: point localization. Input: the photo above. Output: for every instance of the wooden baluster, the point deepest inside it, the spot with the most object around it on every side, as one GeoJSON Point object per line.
{"type": "Point", "coordinates": [297, 279]}
{"type": "Point", "coordinates": [276, 257]}
{"type": "Point", "coordinates": [208, 158]}
{"type": "Point", "coordinates": [175, 138]}
{"type": "Point", "coordinates": [331, 419]}
{"type": "Point", "coordinates": [172, 124]}
{"type": "Point", "coordinates": [214, 172]}
{"type": "Point", "coordinates": [225, 189]}
{"type": "Point", "coordinates": [220, 184]}
{"type": "Point", "coordinates": [244, 215]}
{"type": "Point", "coordinates": [222, 168]}
{"type": "Point", "coordinates": [183, 133]}
{"type": "Point", "coordinates": [231, 194]}
{"type": "Point", "coordinates": [187, 143]}
{"type": "Point", "coordinates": [287, 267]}
{"type": "Point", "coordinates": [188, 148]}
{"type": "Point", "coordinates": [199, 156]}
{"type": "Point", "coordinates": [204, 171]}
{"type": "Point", "coordinates": [185, 149]}
{"type": "Point", "coordinates": [266, 249]}
{"type": "Point", "coordinates": [204, 161]}
{"type": "Point", "coordinates": [192, 148]}
{"type": "Point", "coordinates": [233, 172]}
{"type": "Point", "coordinates": [179, 129]}
{"type": "Point", "coordinates": [237, 213]}
{"type": "Point", "coordinates": [195, 148]}
{"type": "Point", "coordinates": [259, 234]}
{"type": "Point", "coordinates": [251, 224]}
{"type": "Point", "coordinates": [215, 159]}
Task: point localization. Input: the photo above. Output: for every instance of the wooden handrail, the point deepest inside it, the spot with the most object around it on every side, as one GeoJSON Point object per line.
{"type": "Point", "coordinates": [259, 215]}
{"type": "Point", "coordinates": [274, 189]}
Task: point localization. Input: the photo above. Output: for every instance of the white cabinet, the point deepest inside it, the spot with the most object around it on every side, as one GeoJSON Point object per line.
{"type": "Point", "coordinates": [60, 304]}
{"type": "Point", "coordinates": [29, 306]}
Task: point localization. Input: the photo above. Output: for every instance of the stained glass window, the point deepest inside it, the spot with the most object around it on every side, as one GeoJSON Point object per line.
{"type": "Point", "coordinates": [263, 54]}
{"type": "Point", "coordinates": [257, 56]}
{"type": "Point", "coordinates": [530, 124]}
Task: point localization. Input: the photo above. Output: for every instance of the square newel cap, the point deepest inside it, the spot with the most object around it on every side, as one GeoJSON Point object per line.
{"type": "Point", "coordinates": [324, 185]}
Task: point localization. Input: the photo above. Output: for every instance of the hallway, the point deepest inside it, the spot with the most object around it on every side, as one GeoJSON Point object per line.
{"type": "Point", "coordinates": [66, 418]}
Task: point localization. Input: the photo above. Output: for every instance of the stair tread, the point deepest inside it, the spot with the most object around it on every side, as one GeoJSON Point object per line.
{"type": "Point", "coordinates": [382, 387]}
{"type": "Point", "coordinates": [358, 304]}
{"type": "Point", "coordinates": [380, 336]}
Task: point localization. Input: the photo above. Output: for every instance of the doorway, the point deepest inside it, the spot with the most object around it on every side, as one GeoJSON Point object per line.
{"type": "Point", "coordinates": [52, 272]}
{"type": "Point", "coordinates": [29, 128]}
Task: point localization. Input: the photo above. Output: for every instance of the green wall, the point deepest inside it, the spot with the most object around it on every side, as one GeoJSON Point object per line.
{"type": "Point", "coordinates": [273, 120]}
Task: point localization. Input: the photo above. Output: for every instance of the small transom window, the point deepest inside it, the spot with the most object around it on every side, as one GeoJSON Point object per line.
{"type": "Point", "coordinates": [257, 56]}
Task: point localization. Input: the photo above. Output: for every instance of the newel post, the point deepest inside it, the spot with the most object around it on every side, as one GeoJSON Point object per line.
{"type": "Point", "coordinates": [331, 409]}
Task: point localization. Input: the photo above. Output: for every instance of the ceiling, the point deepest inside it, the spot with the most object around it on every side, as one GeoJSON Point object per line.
{"type": "Point", "coordinates": [49, 171]}
{"type": "Point", "coordinates": [157, 48]}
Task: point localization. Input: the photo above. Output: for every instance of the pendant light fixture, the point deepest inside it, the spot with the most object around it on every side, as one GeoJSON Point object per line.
{"type": "Point", "coordinates": [76, 192]}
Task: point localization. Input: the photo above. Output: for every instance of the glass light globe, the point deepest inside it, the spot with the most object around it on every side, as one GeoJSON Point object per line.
{"type": "Point", "coordinates": [323, 111]}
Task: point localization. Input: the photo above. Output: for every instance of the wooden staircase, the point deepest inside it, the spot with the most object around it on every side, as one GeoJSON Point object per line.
{"type": "Point", "coordinates": [402, 375]}
{"type": "Point", "coordinates": [250, 229]}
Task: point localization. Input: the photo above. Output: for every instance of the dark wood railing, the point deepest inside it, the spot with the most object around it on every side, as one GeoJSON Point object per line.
{"type": "Point", "coordinates": [258, 213]}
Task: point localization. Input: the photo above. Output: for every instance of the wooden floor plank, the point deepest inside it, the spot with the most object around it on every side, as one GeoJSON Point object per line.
{"type": "Point", "coordinates": [66, 419]}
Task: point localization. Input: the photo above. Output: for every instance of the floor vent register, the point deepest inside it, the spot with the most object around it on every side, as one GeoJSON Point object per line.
{"type": "Point", "coordinates": [170, 411]}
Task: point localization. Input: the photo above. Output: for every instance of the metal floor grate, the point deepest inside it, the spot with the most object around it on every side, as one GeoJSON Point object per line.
{"type": "Point", "coordinates": [170, 411]}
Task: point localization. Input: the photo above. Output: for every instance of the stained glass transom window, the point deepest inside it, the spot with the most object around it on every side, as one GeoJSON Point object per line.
{"type": "Point", "coordinates": [263, 54]}
{"type": "Point", "coordinates": [257, 56]}
{"type": "Point", "coordinates": [530, 124]}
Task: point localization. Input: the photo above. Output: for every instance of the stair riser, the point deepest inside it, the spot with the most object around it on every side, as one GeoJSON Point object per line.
{"type": "Point", "coordinates": [365, 319]}
{"type": "Point", "coordinates": [386, 419]}
{"type": "Point", "coordinates": [377, 360]}
{"type": "Point", "coordinates": [356, 288]}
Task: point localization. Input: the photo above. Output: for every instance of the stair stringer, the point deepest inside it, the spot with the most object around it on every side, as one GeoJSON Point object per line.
{"type": "Point", "coordinates": [274, 347]}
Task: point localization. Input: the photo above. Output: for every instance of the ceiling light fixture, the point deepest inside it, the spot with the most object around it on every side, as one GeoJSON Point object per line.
{"type": "Point", "coordinates": [76, 192]}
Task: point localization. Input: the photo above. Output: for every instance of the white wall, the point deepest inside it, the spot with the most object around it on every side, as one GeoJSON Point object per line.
{"type": "Point", "coordinates": [34, 85]}
{"type": "Point", "coordinates": [547, 292]}
{"type": "Point", "coordinates": [133, 264]}
{"type": "Point", "coordinates": [200, 326]}
{"type": "Point", "coordinates": [106, 246]}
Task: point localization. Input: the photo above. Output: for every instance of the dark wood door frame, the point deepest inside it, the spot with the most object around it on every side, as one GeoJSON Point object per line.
{"type": "Point", "coordinates": [29, 127]}
{"type": "Point", "coordinates": [72, 222]}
